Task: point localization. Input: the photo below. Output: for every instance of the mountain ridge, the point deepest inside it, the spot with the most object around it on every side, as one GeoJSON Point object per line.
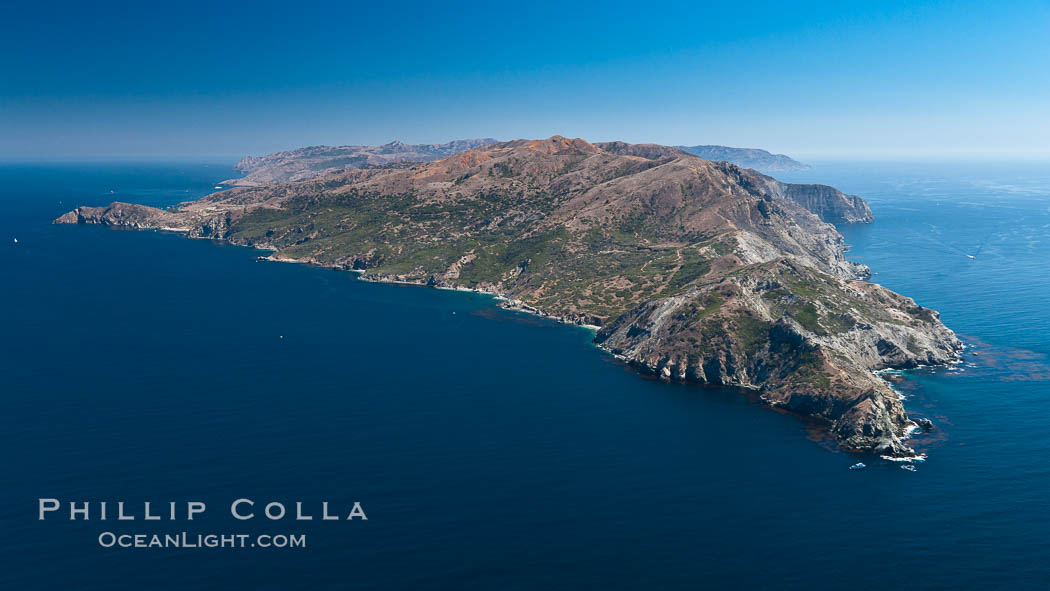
{"type": "Point", "coordinates": [759, 159]}
{"type": "Point", "coordinates": [311, 161]}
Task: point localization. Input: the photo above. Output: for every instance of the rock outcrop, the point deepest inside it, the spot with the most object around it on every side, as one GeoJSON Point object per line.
{"type": "Point", "coordinates": [830, 204]}
{"type": "Point", "coordinates": [129, 215]}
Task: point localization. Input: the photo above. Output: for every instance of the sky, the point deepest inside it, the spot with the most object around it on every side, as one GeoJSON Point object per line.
{"type": "Point", "coordinates": [833, 79]}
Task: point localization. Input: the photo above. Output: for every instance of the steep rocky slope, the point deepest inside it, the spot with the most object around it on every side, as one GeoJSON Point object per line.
{"type": "Point", "coordinates": [695, 270]}
{"type": "Point", "coordinates": [807, 340]}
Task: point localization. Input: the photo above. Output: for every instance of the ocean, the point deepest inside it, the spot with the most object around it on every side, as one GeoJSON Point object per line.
{"type": "Point", "coordinates": [492, 449]}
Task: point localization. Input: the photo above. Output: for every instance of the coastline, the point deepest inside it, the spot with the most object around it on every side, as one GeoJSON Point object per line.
{"type": "Point", "coordinates": [505, 303]}
{"type": "Point", "coordinates": [641, 368]}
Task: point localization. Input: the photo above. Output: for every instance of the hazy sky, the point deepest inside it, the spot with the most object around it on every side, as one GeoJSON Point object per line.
{"type": "Point", "coordinates": [817, 79]}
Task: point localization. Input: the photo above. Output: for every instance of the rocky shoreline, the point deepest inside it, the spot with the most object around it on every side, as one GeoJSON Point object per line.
{"type": "Point", "coordinates": [504, 301]}
{"type": "Point", "coordinates": [664, 371]}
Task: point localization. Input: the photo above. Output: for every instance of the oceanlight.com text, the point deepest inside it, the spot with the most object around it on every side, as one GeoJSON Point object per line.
{"type": "Point", "coordinates": [187, 540]}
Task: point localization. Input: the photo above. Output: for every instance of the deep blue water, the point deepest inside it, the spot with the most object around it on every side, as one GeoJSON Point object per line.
{"type": "Point", "coordinates": [491, 449]}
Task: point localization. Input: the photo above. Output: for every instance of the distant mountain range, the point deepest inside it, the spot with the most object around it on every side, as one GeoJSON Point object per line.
{"type": "Point", "coordinates": [305, 163]}
{"type": "Point", "coordinates": [313, 161]}
{"type": "Point", "coordinates": [755, 158]}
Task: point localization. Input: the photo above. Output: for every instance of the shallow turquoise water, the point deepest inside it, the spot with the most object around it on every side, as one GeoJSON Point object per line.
{"type": "Point", "coordinates": [492, 449]}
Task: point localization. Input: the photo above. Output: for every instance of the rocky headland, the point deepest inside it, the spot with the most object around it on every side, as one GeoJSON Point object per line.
{"type": "Point", "coordinates": [692, 270]}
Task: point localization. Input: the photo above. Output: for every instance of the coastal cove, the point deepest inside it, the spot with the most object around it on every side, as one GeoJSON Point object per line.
{"type": "Point", "coordinates": [501, 300]}
{"type": "Point", "coordinates": [142, 365]}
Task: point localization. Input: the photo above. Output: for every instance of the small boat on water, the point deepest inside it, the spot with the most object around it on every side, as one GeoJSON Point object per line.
{"type": "Point", "coordinates": [16, 240]}
{"type": "Point", "coordinates": [908, 467]}
{"type": "Point", "coordinates": [858, 466]}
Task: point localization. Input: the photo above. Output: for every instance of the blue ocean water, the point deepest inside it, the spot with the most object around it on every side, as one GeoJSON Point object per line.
{"type": "Point", "coordinates": [488, 448]}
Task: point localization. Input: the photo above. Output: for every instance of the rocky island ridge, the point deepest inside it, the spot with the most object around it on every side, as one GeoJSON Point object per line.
{"type": "Point", "coordinates": [756, 158]}
{"type": "Point", "coordinates": [692, 270]}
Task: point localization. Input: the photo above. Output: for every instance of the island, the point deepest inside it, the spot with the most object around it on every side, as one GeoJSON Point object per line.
{"type": "Point", "coordinates": [760, 160]}
{"type": "Point", "coordinates": [689, 270]}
